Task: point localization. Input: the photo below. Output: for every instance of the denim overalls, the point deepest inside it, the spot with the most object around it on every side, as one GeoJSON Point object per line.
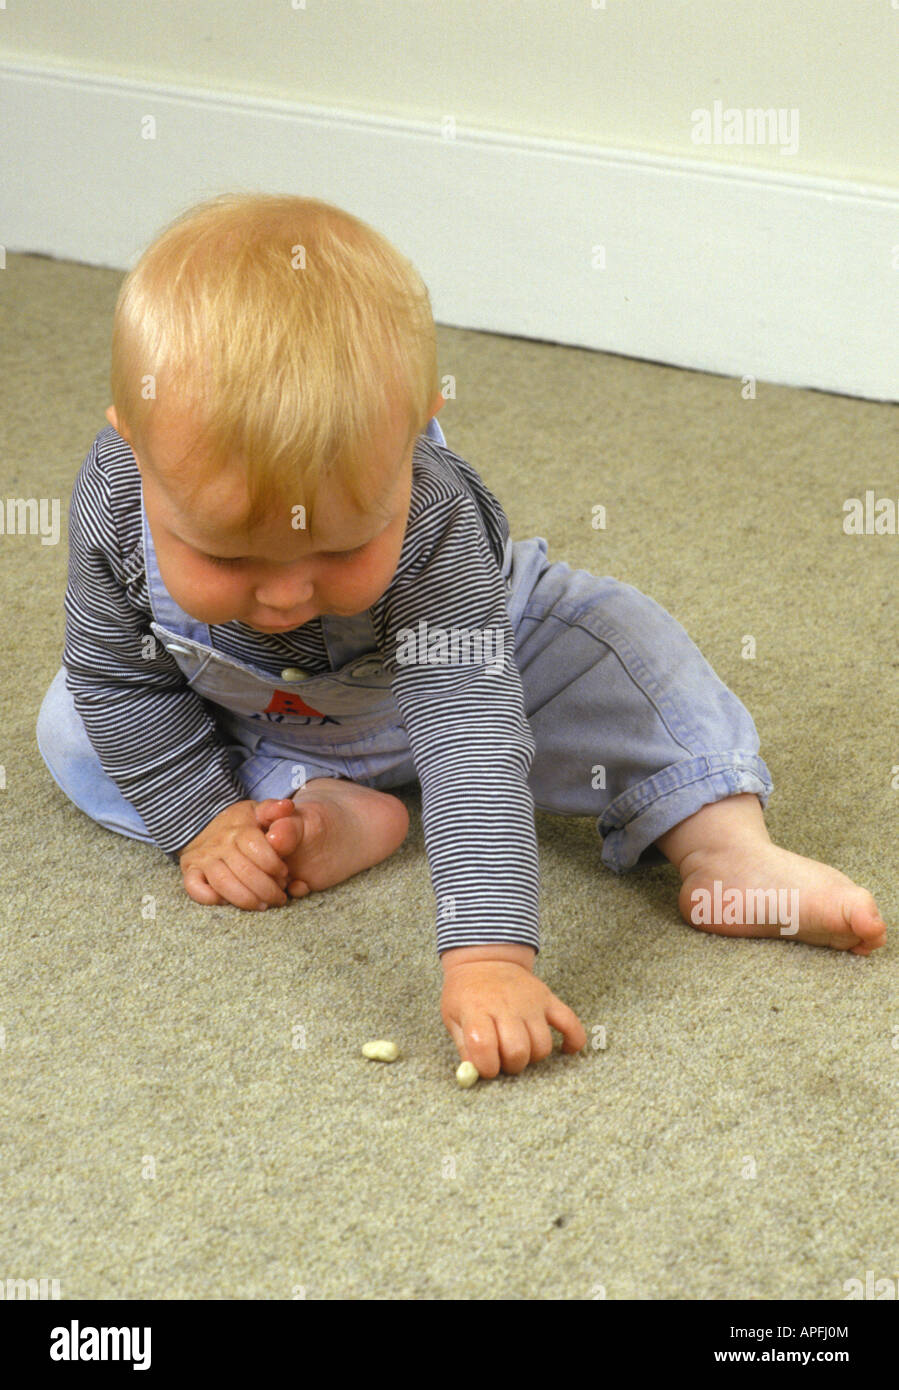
{"type": "Point", "coordinates": [631, 724]}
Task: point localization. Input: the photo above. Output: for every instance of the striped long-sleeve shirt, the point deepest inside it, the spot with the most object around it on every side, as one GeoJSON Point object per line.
{"type": "Point", "coordinates": [472, 746]}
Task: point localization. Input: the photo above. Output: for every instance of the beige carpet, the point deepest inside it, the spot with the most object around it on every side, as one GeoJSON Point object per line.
{"type": "Point", "coordinates": [164, 1138]}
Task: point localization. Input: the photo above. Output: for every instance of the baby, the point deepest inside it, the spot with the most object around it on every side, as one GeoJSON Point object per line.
{"type": "Point", "coordinates": [287, 595]}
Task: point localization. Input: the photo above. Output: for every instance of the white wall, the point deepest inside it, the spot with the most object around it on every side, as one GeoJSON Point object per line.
{"type": "Point", "coordinates": [535, 158]}
{"type": "Point", "coordinates": [626, 73]}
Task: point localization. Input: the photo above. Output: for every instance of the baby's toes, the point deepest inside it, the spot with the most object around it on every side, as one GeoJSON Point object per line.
{"type": "Point", "coordinates": [273, 809]}
{"type": "Point", "coordinates": [866, 921]}
{"type": "Point", "coordinates": [285, 834]}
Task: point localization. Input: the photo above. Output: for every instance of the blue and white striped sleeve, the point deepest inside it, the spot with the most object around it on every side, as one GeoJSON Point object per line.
{"type": "Point", "coordinates": [471, 742]}
{"type": "Point", "coordinates": [151, 733]}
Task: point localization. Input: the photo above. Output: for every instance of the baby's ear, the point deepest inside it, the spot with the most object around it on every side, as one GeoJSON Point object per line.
{"type": "Point", "coordinates": [114, 421]}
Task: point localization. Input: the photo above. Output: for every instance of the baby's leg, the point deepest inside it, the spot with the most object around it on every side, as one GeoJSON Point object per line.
{"type": "Point", "coordinates": [331, 829]}
{"type": "Point", "coordinates": [736, 882]}
{"type": "Point", "coordinates": [633, 726]}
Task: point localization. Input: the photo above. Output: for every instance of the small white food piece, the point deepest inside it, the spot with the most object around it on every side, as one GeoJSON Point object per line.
{"type": "Point", "coordinates": [467, 1074]}
{"type": "Point", "coordinates": [382, 1050]}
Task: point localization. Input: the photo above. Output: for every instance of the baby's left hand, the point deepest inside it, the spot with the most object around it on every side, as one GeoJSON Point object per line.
{"type": "Point", "coordinates": [499, 1015]}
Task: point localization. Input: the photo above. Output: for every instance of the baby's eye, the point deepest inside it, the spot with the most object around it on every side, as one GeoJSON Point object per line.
{"type": "Point", "coordinates": [343, 554]}
{"type": "Point", "coordinates": [328, 554]}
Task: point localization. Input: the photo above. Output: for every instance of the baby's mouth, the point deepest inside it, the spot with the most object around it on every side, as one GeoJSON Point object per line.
{"type": "Point", "coordinates": [287, 626]}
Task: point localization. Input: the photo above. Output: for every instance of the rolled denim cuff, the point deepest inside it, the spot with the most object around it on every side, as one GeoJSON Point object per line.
{"type": "Point", "coordinates": [636, 819]}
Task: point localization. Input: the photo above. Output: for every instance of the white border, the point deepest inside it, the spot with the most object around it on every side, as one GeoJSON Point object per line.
{"type": "Point", "coordinates": [788, 278]}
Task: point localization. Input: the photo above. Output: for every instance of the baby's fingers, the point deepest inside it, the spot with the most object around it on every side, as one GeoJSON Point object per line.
{"type": "Point", "coordinates": [253, 845]}
{"type": "Point", "coordinates": [458, 1036]}
{"type": "Point", "coordinates": [480, 1044]}
{"type": "Point", "coordinates": [229, 882]}
{"type": "Point", "coordinates": [258, 888]}
{"type": "Point", "coordinates": [559, 1016]}
{"type": "Point", "coordinates": [196, 887]}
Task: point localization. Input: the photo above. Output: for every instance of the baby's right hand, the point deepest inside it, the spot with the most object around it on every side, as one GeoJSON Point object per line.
{"type": "Point", "coordinates": [231, 861]}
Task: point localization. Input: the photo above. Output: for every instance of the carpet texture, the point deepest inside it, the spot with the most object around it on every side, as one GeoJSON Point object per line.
{"type": "Point", "coordinates": [187, 1113]}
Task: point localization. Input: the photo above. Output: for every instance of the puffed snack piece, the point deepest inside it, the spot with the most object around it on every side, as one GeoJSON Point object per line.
{"type": "Point", "coordinates": [381, 1050]}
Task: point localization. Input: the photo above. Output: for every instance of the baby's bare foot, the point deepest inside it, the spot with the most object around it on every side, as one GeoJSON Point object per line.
{"type": "Point", "coordinates": [335, 829]}
{"type": "Point", "coordinates": [759, 889]}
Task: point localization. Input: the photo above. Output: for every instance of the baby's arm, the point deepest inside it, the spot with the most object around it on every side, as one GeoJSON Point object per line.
{"type": "Point", "coordinates": [473, 747]}
{"type": "Point", "coordinates": [232, 861]}
{"type": "Point", "coordinates": [153, 735]}
{"type": "Point", "coordinates": [471, 742]}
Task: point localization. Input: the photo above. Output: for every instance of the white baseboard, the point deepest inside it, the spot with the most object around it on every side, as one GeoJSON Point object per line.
{"type": "Point", "coordinates": [790, 279]}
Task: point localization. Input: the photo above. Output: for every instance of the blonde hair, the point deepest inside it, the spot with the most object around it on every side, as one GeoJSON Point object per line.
{"type": "Point", "coordinates": [288, 329]}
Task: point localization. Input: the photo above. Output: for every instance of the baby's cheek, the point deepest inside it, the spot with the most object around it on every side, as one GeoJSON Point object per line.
{"type": "Point", "coordinates": [225, 601]}
{"type": "Point", "coordinates": [366, 587]}
{"type": "Point", "coordinates": [206, 597]}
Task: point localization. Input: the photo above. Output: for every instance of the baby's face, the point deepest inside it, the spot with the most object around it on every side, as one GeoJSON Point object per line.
{"type": "Point", "coordinates": [272, 579]}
